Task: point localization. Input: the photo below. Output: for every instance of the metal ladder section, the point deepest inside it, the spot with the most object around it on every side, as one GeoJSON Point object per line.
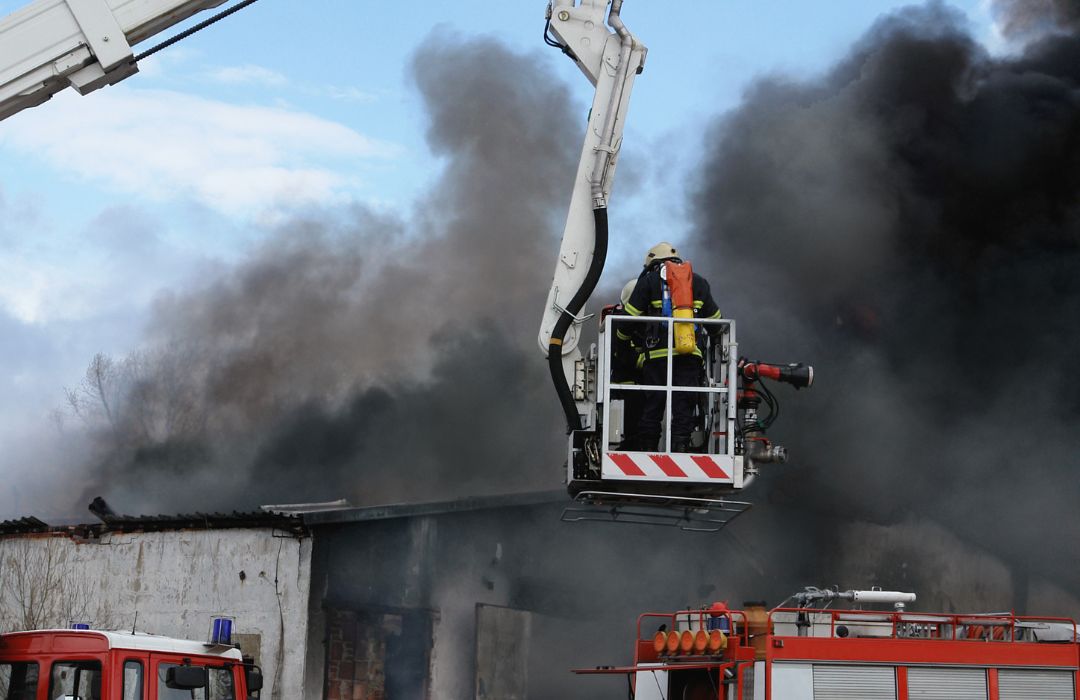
{"type": "Point", "coordinates": [686, 513]}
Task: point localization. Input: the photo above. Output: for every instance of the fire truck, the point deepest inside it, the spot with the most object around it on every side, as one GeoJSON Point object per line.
{"type": "Point", "coordinates": [85, 664]}
{"type": "Point", "coordinates": [812, 651]}
{"type": "Point", "coordinates": [687, 487]}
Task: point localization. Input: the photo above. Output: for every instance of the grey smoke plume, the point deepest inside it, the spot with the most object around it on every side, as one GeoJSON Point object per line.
{"type": "Point", "coordinates": [364, 356]}
{"type": "Point", "coordinates": [909, 223]}
{"type": "Point", "coordinates": [1025, 18]}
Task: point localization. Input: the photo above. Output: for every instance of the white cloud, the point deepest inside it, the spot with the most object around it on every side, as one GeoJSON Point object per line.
{"type": "Point", "coordinates": [44, 286]}
{"type": "Point", "coordinates": [248, 75]}
{"type": "Point", "coordinates": [346, 94]}
{"type": "Point", "coordinates": [163, 145]}
{"type": "Point", "coordinates": [116, 263]}
{"type": "Point", "coordinates": [24, 288]}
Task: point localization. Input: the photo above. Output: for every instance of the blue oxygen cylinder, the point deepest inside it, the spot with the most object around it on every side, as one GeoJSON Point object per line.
{"type": "Point", "coordinates": [665, 294]}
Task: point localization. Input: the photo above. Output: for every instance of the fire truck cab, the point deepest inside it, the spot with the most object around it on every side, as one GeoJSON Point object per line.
{"type": "Point", "coordinates": [93, 665]}
{"type": "Point", "coordinates": [815, 653]}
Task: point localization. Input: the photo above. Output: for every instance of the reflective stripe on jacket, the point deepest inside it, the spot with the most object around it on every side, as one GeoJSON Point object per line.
{"type": "Point", "coordinates": [647, 300]}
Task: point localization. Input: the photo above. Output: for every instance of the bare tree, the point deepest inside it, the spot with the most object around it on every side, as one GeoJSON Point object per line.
{"type": "Point", "coordinates": [43, 586]}
{"type": "Point", "coordinates": [95, 397]}
{"type": "Point", "coordinates": [147, 397]}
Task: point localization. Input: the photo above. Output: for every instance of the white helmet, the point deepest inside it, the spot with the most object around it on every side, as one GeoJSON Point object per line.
{"type": "Point", "coordinates": [627, 290]}
{"type": "Point", "coordinates": [660, 251]}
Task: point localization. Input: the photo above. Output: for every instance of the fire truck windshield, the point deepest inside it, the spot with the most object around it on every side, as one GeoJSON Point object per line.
{"type": "Point", "coordinates": [18, 680]}
{"type": "Point", "coordinates": [75, 680]}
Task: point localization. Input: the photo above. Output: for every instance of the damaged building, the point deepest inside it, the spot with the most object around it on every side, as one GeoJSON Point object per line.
{"type": "Point", "coordinates": [487, 597]}
{"type": "Point", "coordinates": [404, 601]}
{"type": "Point", "coordinates": [166, 575]}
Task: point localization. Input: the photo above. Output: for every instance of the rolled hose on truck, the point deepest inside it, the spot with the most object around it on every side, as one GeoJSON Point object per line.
{"type": "Point", "coordinates": [571, 310]}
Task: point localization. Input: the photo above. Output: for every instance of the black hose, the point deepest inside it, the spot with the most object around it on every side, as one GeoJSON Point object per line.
{"type": "Point", "coordinates": [553, 43]}
{"type": "Point", "coordinates": [774, 406]}
{"type": "Point", "coordinates": [558, 377]}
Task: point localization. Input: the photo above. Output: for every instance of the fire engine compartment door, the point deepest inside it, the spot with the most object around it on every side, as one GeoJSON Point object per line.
{"type": "Point", "coordinates": [651, 685]}
{"type": "Point", "coordinates": [851, 682]}
{"type": "Point", "coordinates": [792, 681]}
{"type": "Point", "coordinates": [1031, 684]}
{"type": "Point", "coordinates": [925, 683]}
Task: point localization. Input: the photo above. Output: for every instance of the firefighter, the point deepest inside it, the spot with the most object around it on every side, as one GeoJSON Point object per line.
{"type": "Point", "coordinates": [626, 368]}
{"type": "Point", "coordinates": [667, 286]}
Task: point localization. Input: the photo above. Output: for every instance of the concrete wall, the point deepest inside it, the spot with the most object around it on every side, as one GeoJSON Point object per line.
{"type": "Point", "coordinates": [175, 582]}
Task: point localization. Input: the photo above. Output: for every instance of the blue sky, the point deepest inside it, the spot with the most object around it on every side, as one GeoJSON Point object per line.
{"type": "Point", "coordinates": [110, 200]}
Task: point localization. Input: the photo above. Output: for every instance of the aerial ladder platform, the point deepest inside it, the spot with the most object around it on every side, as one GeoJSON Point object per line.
{"type": "Point", "coordinates": [691, 489]}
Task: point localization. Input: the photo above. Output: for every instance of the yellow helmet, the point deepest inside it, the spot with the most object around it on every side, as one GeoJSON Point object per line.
{"type": "Point", "coordinates": [660, 251]}
{"type": "Point", "coordinates": [627, 290]}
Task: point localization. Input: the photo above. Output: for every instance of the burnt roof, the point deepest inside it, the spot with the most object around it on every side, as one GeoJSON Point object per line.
{"type": "Point", "coordinates": [322, 515]}
{"type": "Point", "coordinates": [159, 523]}
{"type": "Point", "coordinates": [22, 525]}
{"type": "Point", "coordinates": [295, 519]}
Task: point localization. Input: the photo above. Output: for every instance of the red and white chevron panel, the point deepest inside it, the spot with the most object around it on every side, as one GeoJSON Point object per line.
{"type": "Point", "coordinates": [653, 466]}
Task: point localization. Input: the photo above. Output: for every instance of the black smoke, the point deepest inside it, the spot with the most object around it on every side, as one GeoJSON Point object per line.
{"type": "Point", "coordinates": [909, 222]}
{"type": "Point", "coordinates": [359, 355]}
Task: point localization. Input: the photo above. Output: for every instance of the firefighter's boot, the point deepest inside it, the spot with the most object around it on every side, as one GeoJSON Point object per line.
{"type": "Point", "coordinates": [642, 443]}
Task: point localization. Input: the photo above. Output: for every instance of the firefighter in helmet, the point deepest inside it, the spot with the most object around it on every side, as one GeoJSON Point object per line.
{"type": "Point", "coordinates": [668, 286]}
{"type": "Point", "coordinates": [626, 368]}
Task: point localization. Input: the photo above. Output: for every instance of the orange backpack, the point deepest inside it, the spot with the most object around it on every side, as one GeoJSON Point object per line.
{"type": "Point", "coordinates": [680, 281]}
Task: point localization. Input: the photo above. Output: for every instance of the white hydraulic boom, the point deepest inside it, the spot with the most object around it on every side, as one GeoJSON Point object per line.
{"type": "Point", "coordinates": [610, 59]}
{"type": "Point", "coordinates": [51, 44]}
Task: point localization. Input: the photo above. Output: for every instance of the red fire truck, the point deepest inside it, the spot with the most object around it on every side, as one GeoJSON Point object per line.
{"type": "Point", "coordinates": [82, 664]}
{"type": "Point", "coordinates": [813, 652]}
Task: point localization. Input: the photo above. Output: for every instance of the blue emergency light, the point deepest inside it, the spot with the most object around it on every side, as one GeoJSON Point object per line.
{"type": "Point", "coordinates": [80, 625]}
{"type": "Point", "coordinates": [221, 630]}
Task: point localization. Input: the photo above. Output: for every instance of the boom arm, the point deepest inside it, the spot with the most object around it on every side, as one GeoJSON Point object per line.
{"type": "Point", "coordinates": [610, 60]}
{"type": "Point", "coordinates": [51, 44]}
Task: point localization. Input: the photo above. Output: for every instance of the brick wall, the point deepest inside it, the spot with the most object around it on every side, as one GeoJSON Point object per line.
{"type": "Point", "coordinates": [367, 659]}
